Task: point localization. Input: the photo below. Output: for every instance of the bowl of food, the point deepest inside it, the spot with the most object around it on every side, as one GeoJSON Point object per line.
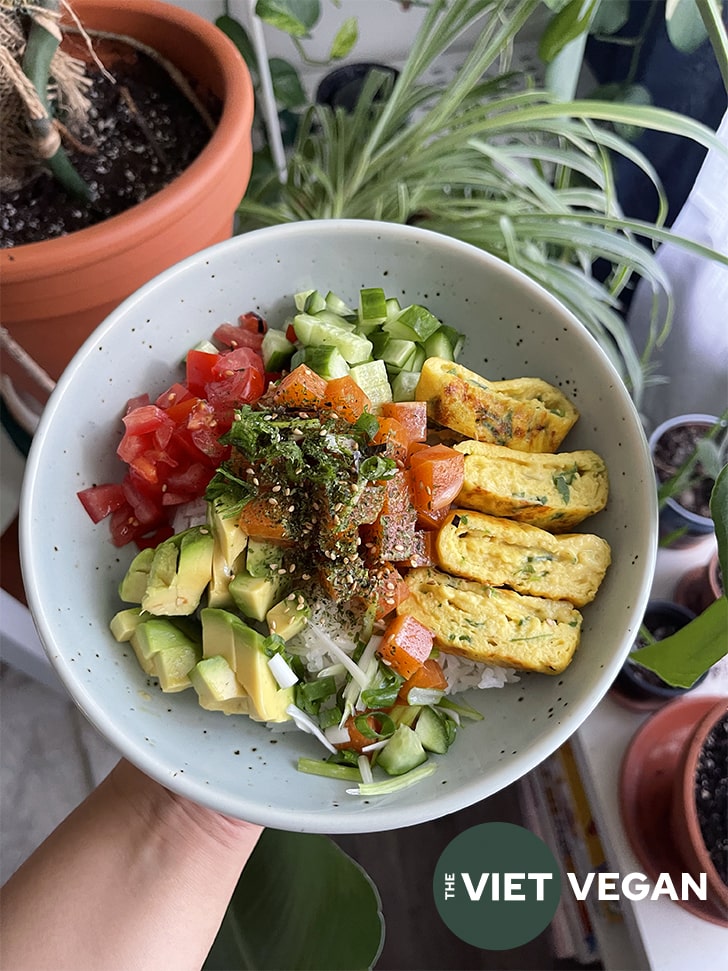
{"type": "Point", "coordinates": [338, 526]}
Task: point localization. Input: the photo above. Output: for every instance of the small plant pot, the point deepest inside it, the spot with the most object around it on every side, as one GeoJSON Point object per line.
{"type": "Point", "coordinates": [699, 805]}
{"type": "Point", "coordinates": [671, 443]}
{"type": "Point", "coordinates": [638, 688]}
{"type": "Point", "coordinates": [699, 587]}
{"type": "Point", "coordinates": [341, 87]}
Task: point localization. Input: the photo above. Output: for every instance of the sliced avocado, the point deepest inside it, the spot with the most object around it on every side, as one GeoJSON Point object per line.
{"type": "Point", "coordinates": [230, 539]}
{"type": "Point", "coordinates": [132, 587]}
{"type": "Point", "coordinates": [288, 617]}
{"type": "Point", "coordinates": [124, 624]}
{"type": "Point", "coordinates": [254, 596]}
{"type": "Point", "coordinates": [263, 558]}
{"type": "Point", "coordinates": [218, 634]}
{"type": "Point", "coordinates": [218, 593]}
{"type": "Point", "coordinates": [267, 702]}
{"type": "Point", "coordinates": [217, 687]}
{"type": "Point", "coordinates": [165, 652]}
{"type": "Point", "coordinates": [180, 571]}
{"type": "Point", "coordinates": [402, 752]}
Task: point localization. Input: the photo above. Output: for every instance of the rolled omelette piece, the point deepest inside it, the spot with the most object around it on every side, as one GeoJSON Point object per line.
{"type": "Point", "coordinates": [527, 559]}
{"type": "Point", "coordinates": [527, 414]}
{"type": "Point", "coordinates": [554, 491]}
{"type": "Point", "coordinates": [495, 626]}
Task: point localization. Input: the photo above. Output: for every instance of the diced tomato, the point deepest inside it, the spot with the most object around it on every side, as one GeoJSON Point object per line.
{"type": "Point", "coordinates": [238, 388]}
{"type": "Point", "coordinates": [238, 359]}
{"type": "Point", "coordinates": [345, 398]}
{"type": "Point", "coordinates": [406, 645]}
{"type": "Point", "coordinates": [394, 436]}
{"type": "Point", "coordinates": [124, 526]}
{"type": "Point", "coordinates": [204, 431]}
{"type": "Point", "coordinates": [436, 476]}
{"type": "Point", "coordinates": [302, 389]}
{"type": "Point", "coordinates": [179, 412]}
{"type": "Point", "coordinates": [412, 415]}
{"type": "Point", "coordinates": [253, 322]}
{"type": "Point", "coordinates": [147, 418]}
{"type": "Point", "coordinates": [430, 675]}
{"type": "Point", "coordinates": [101, 500]}
{"type": "Point", "coordinates": [153, 539]}
{"type": "Point", "coordinates": [291, 333]}
{"type": "Point", "coordinates": [136, 402]}
{"type": "Point", "coordinates": [199, 369]}
{"type": "Point", "coordinates": [233, 335]}
{"type": "Point", "coordinates": [173, 396]}
{"type": "Point", "coordinates": [186, 483]}
{"type": "Point", "coordinates": [147, 509]}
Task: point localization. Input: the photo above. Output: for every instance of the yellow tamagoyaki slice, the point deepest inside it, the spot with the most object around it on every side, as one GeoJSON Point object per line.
{"type": "Point", "coordinates": [527, 414]}
{"type": "Point", "coordinates": [491, 624]}
{"type": "Point", "coordinates": [527, 559]}
{"type": "Point", "coordinates": [554, 491]}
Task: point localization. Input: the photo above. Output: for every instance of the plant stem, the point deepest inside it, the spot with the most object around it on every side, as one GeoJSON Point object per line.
{"type": "Point", "coordinates": [43, 40]}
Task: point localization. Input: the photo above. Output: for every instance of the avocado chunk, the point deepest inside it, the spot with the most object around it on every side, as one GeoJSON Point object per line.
{"type": "Point", "coordinates": [230, 539]}
{"type": "Point", "coordinates": [132, 587]}
{"type": "Point", "coordinates": [165, 652]}
{"type": "Point", "coordinates": [180, 572]}
{"type": "Point", "coordinates": [125, 622]}
{"type": "Point", "coordinates": [402, 752]}
{"type": "Point", "coordinates": [254, 596]}
{"type": "Point", "coordinates": [263, 558]}
{"type": "Point", "coordinates": [217, 687]}
{"type": "Point", "coordinates": [218, 593]}
{"type": "Point", "coordinates": [224, 634]}
{"type": "Point", "coordinates": [288, 617]}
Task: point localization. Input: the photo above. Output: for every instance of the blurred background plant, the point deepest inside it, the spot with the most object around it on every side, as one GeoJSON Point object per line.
{"type": "Point", "coordinates": [488, 157]}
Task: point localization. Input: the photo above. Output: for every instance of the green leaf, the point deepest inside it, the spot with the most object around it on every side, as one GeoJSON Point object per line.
{"type": "Point", "coordinates": [287, 85]}
{"type": "Point", "coordinates": [685, 26]}
{"type": "Point", "coordinates": [719, 512]}
{"type": "Point", "coordinates": [346, 36]}
{"type": "Point", "coordinates": [300, 903]}
{"type": "Point", "coordinates": [610, 17]}
{"type": "Point", "coordinates": [238, 35]}
{"type": "Point", "coordinates": [566, 26]}
{"type": "Point", "coordinates": [681, 658]}
{"type": "Point", "coordinates": [294, 17]}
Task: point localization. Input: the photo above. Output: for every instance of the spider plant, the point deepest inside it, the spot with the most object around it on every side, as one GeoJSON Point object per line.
{"type": "Point", "coordinates": [494, 161]}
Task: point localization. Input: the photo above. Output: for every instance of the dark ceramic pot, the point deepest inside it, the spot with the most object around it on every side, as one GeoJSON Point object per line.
{"type": "Point", "coordinates": [341, 87]}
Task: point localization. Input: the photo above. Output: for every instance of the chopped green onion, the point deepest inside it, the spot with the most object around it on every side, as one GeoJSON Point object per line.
{"type": "Point", "coordinates": [424, 696]}
{"type": "Point", "coordinates": [394, 784]}
{"type": "Point", "coordinates": [330, 770]}
{"type": "Point", "coordinates": [367, 425]}
{"type": "Point", "coordinates": [386, 725]}
{"type": "Point", "coordinates": [461, 708]}
{"type": "Point", "coordinates": [319, 689]}
{"type": "Point", "coordinates": [329, 716]}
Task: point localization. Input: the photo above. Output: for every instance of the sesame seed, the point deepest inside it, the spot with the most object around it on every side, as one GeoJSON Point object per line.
{"type": "Point", "coordinates": [255, 482]}
{"type": "Point", "coordinates": [276, 488]}
{"type": "Point", "coordinates": [291, 508]}
{"type": "Point", "coordinates": [282, 571]}
{"type": "Point", "coordinates": [292, 568]}
{"type": "Point", "coordinates": [399, 547]}
{"type": "Point", "coordinates": [291, 596]}
{"type": "Point", "coordinates": [273, 501]}
{"type": "Point", "coordinates": [306, 576]}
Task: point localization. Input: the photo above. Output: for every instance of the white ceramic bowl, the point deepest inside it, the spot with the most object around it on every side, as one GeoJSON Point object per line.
{"type": "Point", "coordinates": [71, 570]}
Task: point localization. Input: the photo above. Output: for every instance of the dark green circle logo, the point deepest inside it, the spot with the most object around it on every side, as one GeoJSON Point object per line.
{"type": "Point", "coordinates": [497, 886]}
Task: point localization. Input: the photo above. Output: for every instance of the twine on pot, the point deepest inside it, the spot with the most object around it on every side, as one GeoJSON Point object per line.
{"type": "Point", "coordinates": [21, 150]}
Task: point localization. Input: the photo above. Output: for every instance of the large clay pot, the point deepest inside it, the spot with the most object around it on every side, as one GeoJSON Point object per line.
{"type": "Point", "coordinates": [54, 293]}
{"type": "Point", "coordinates": [684, 819]}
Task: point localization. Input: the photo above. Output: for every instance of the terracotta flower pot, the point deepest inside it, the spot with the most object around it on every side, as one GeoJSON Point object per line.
{"type": "Point", "coordinates": [57, 291]}
{"type": "Point", "coordinates": [685, 819]}
{"type": "Point", "coordinates": [700, 586]}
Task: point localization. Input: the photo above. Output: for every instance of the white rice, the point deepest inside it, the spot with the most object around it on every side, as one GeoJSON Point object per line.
{"type": "Point", "coordinates": [462, 674]}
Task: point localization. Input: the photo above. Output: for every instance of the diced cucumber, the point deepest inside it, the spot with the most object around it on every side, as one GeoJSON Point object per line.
{"type": "Point", "coordinates": [404, 385]}
{"type": "Point", "coordinates": [336, 320]}
{"type": "Point", "coordinates": [393, 306]}
{"type": "Point", "coordinates": [404, 751]}
{"type": "Point", "coordinates": [379, 341]}
{"type": "Point", "coordinates": [309, 301]}
{"type": "Point", "coordinates": [372, 305]}
{"type": "Point", "coordinates": [438, 345]}
{"type": "Point", "coordinates": [373, 380]}
{"type": "Point", "coordinates": [327, 362]}
{"type": "Point", "coordinates": [457, 340]}
{"type": "Point", "coordinates": [414, 323]}
{"type": "Point", "coordinates": [432, 731]}
{"type": "Point", "coordinates": [313, 332]}
{"type": "Point", "coordinates": [337, 305]}
{"type": "Point", "coordinates": [277, 351]}
{"type": "Point", "coordinates": [397, 352]}
{"type": "Point", "coordinates": [416, 359]}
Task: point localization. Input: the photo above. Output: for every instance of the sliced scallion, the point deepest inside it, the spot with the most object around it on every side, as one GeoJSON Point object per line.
{"type": "Point", "coordinates": [395, 783]}
{"type": "Point", "coordinates": [467, 711]}
{"type": "Point", "coordinates": [331, 770]}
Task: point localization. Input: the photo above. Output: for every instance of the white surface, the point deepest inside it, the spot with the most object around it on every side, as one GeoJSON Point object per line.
{"type": "Point", "coordinates": [671, 937]}
{"type": "Point", "coordinates": [72, 570]}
